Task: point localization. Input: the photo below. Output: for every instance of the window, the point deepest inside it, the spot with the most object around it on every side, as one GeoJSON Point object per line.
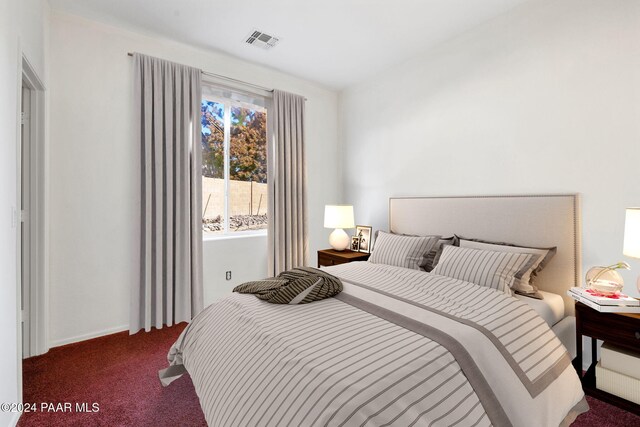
{"type": "Point", "coordinates": [234, 163]}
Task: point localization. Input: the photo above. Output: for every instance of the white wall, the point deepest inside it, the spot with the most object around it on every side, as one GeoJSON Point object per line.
{"type": "Point", "coordinates": [544, 99]}
{"type": "Point", "coordinates": [246, 258]}
{"type": "Point", "coordinates": [23, 31]}
{"type": "Point", "coordinates": [95, 173]}
{"type": "Point", "coordinates": [34, 34]}
{"type": "Point", "coordinates": [9, 378]}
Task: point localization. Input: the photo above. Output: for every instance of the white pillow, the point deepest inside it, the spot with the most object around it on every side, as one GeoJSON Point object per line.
{"type": "Point", "coordinates": [523, 283]}
{"type": "Point", "coordinates": [400, 250]}
{"type": "Point", "coordinates": [496, 270]}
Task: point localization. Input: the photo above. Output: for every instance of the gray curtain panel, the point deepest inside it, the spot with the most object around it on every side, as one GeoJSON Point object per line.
{"type": "Point", "coordinates": [167, 104]}
{"type": "Point", "coordinates": [287, 236]}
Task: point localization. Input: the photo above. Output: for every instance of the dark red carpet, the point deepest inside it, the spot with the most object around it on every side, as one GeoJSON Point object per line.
{"type": "Point", "coordinates": [120, 373]}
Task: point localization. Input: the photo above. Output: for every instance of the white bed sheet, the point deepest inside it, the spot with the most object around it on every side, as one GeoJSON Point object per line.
{"type": "Point", "coordinates": [565, 330]}
{"type": "Point", "coordinates": [551, 308]}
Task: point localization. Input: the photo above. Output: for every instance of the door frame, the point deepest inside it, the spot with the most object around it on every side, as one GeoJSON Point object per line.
{"type": "Point", "coordinates": [24, 222]}
{"type": "Point", "coordinates": [38, 236]}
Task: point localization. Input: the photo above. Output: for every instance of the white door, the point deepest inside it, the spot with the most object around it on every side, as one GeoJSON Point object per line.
{"type": "Point", "coordinates": [25, 228]}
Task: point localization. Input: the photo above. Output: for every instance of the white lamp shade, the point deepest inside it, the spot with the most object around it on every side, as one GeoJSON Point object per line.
{"type": "Point", "coordinates": [338, 216]}
{"type": "Point", "coordinates": [632, 233]}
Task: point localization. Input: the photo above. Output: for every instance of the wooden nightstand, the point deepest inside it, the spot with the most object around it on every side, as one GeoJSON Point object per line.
{"type": "Point", "coordinates": [327, 257]}
{"type": "Point", "coordinates": [620, 329]}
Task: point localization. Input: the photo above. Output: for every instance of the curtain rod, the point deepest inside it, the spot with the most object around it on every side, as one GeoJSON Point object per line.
{"type": "Point", "coordinates": [220, 76]}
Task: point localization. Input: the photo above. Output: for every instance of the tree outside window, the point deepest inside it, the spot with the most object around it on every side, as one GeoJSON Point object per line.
{"type": "Point", "coordinates": [234, 166]}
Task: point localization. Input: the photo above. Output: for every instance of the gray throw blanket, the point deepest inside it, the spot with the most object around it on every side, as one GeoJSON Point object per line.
{"type": "Point", "coordinates": [296, 286]}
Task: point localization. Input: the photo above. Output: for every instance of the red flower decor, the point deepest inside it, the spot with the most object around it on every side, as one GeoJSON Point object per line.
{"type": "Point", "coordinates": [617, 295]}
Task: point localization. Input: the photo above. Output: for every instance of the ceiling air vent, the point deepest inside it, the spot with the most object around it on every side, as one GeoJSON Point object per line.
{"type": "Point", "coordinates": [260, 39]}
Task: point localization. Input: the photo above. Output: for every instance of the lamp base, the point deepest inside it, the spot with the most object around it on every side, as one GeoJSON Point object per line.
{"type": "Point", "coordinates": [339, 239]}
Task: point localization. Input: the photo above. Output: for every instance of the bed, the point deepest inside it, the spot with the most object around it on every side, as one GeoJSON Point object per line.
{"type": "Point", "coordinates": [401, 346]}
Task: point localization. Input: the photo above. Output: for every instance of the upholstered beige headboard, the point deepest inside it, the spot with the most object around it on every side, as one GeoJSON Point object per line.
{"type": "Point", "coordinates": [527, 220]}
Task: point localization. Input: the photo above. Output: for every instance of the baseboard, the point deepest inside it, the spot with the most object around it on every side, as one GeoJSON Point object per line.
{"type": "Point", "coordinates": [84, 337]}
{"type": "Point", "coordinates": [15, 419]}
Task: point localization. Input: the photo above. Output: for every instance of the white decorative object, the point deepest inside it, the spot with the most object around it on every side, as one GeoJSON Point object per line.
{"type": "Point", "coordinates": [606, 280]}
{"type": "Point", "coordinates": [339, 217]}
{"type": "Point", "coordinates": [631, 247]}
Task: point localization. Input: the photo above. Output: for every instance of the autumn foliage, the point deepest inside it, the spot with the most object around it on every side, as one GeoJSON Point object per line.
{"type": "Point", "coordinates": [247, 143]}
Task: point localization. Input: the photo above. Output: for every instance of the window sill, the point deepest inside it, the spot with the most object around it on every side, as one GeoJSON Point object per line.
{"type": "Point", "coordinates": [206, 237]}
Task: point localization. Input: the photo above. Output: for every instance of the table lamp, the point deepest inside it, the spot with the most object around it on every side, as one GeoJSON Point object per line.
{"type": "Point", "coordinates": [631, 246]}
{"type": "Point", "coordinates": [339, 217]}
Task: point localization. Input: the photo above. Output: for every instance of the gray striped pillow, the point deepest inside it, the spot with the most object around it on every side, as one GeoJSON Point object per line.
{"type": "Point", "coordinates": [496, 270]}
{"type": "Point", "coordinates": [402, 251]}
{"type": "Point", "coordinates": [433, 256]}
{"type": "Point", "coordinates": [524, 282]}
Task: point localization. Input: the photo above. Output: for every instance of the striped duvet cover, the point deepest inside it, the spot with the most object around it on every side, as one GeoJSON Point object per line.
{"type": "Point", "coordinates": [397, 347]}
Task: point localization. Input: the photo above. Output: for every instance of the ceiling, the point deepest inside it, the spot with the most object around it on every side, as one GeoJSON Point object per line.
{"type": "Point", "coordinates": [333, 42]}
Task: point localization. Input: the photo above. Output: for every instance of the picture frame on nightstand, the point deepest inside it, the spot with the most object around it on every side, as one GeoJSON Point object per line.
{"type": "Point", "coordinates": [355, 243]}
{"type": "Point", "coordinates": [364, 233]}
